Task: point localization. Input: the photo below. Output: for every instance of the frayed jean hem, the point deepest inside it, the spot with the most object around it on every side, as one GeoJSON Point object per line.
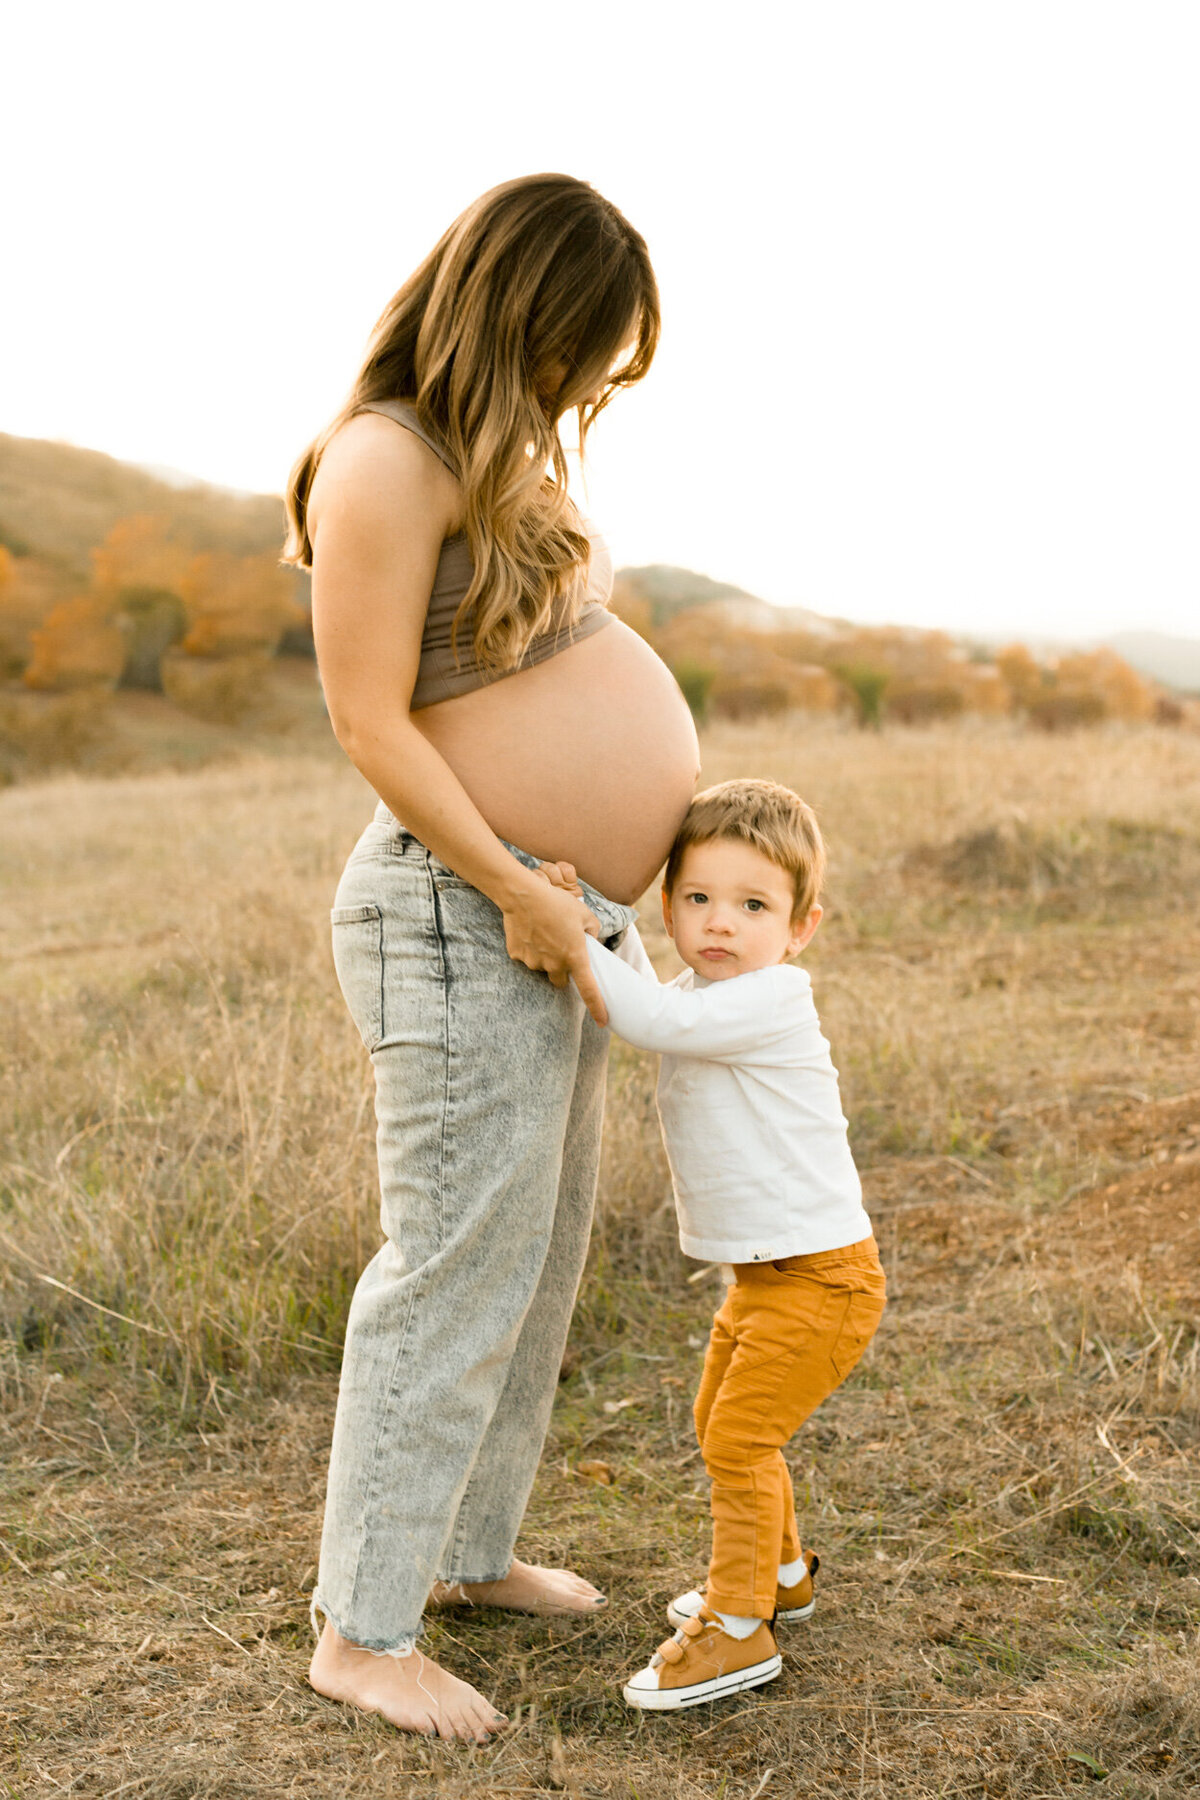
{"type": "Point", "coordinates": [401, 1648]}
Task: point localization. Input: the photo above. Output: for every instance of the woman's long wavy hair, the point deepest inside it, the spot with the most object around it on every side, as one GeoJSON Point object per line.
{"type": "Point", "coordinates": [517, 316]}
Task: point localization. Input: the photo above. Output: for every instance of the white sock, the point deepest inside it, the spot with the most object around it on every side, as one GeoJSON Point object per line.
{"type": "Point", "coordinates": [738, 1628]}
{"type": "Point", "coordinates": [791, 1573]}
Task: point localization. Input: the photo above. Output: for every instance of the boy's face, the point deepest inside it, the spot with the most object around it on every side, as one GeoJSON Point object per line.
{"type": "Point", "coordinates": [730, 911]}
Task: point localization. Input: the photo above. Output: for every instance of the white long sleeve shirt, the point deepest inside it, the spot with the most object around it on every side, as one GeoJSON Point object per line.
{"type": "Point", "coordinates": [748, 1099]}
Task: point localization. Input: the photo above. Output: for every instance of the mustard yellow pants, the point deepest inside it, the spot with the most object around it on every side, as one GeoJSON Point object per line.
{"type": "Point", "coordinates": [787, 1335]}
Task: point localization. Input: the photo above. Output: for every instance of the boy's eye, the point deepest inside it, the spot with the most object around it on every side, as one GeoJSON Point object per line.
{"type": "Point", "coordinates": [754, 905]}
{"type": "Point", "coordinates": [699, 899]}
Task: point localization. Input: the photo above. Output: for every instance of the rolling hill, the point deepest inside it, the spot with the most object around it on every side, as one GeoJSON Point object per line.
{"type": "Point", "coordinates": [57, 502]}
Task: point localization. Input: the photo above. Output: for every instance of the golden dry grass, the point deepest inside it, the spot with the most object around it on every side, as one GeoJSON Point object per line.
{"type": "Point", "coordinates": [1003, 1494]}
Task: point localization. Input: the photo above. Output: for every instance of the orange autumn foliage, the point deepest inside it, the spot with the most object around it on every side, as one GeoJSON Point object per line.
{"type": "Point", "coordinates": [235, 604]}
{"type": "Point", "coordinates": [1023, 676]}
{"type": "Point", "coordinates": [139, 553]}
{"type": "Point", "coordinates": [1122, 692]}
{"type": "Point", "coordinates": [79, 646]}
{"type": "Point", "coordinates": [29, 589]}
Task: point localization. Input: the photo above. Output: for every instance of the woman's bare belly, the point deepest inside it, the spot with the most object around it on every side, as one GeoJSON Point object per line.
{"type": "Point", "coordinates": [590, 757]}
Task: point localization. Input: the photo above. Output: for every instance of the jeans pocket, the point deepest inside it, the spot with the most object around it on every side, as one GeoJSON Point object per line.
{"type": "Point", "coordinates": [859, 1325]}
{"type": "Point", "coordinates": [358, 960]}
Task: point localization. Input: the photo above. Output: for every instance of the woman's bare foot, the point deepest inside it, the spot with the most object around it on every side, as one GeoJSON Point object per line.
{"type": "Point", "coordinates": [409, 1691]}
{"type": "Point", "coordinates": [524, 1589]}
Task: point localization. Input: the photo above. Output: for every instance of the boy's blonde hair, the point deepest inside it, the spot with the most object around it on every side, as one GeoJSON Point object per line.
{"type": "Point", "coordinates": [768, 817]}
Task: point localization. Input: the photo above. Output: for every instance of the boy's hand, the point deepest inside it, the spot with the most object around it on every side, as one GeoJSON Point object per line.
{"type": "Point", "coordinates": [562, 875]}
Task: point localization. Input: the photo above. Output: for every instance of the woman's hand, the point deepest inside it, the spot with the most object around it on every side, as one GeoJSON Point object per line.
{"type": "Point", "coordinates": [545, 927]}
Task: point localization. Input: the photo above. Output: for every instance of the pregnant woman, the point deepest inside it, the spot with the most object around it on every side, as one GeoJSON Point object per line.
{"type": "Point", "coordinates": [503, 716]}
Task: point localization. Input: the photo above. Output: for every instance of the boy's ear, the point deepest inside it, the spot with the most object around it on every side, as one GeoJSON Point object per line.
{"type": "Point", "coordinates": [803, 929]}
{"type": "Point", "coordinates": [667, 920]}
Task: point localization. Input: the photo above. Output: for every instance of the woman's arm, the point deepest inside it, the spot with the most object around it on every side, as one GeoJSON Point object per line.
{"type": "Point", "coordinates": [380, 508]}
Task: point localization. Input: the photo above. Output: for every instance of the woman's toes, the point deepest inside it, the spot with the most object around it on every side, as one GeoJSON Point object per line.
{"type": "Point", "coordinates": [461, 1715]}
{"type": "Point", "coordinates": [461, 1721]}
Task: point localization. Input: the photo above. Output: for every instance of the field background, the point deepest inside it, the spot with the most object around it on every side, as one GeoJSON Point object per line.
{"type": "Point", "coordinates": [1004, 1494]}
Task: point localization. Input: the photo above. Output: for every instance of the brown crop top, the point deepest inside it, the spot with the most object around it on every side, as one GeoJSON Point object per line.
{"type": "Point", "coordinates": [441, 675]}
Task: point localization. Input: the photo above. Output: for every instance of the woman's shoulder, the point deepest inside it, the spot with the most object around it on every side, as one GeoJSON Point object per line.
{"type": "Point", "coordinates": [373, 464]}
{"type": "Point", "coordinates": [374, 443]}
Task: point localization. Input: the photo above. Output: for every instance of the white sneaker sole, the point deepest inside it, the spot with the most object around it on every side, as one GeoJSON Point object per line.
{"type": "Point", "coordinates": [717, 1688]}
{"type": "Point", "coordinates": [790, 1617]}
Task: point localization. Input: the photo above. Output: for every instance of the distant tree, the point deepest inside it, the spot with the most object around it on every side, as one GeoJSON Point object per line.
{"type": "Point", "coordinates": [139, 571]}
{"type": "Point", "coordinates": [1025, 679]}
{"type": "Point", "coordinates": [157, 620]}
{"type": "Point", "coordinates": [695, 680]}
{"type": "Point", "coordinates": [138, 553]}
{"type": "Point", "coordinates": [79, 646]}
{"type": "Point", "coordinates": [866, 686]}
{"type": "Point", "coordinates": [236, 604]}
{"type": "Point", "coordinates": [29, 589]}
{"type": "Point", "coordinates": [744, 672]}
{"type": "Point", "coordinates": [1123, 693]}
{"type": "Point", "coordinates": [902, 653]}
{"type": "Point", "coordinates": [983, 688]}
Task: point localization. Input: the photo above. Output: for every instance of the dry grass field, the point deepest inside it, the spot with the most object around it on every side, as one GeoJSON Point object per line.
{"type": "Point", "coordinates": [1004, 1495]}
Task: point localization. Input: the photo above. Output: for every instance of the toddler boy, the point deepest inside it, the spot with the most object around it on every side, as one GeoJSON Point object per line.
{"type": "Point", "coordinates": [763, 1180]}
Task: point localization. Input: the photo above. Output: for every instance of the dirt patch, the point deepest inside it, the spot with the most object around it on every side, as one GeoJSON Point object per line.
{"type": "Point", "coordinates": [1145, 1220]}
{"type": "Point", "coordinates": [1137, 1223]}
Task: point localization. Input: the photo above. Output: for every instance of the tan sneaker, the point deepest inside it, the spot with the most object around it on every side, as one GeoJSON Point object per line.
{"type": "Point", "coordinates": [702, 1662]}
{"type": "Point", "coordinates": [791, 1603]}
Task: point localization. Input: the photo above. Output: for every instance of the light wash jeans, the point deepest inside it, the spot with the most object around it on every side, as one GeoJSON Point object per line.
{"type": "Point", "coordinates": [489, 1100]}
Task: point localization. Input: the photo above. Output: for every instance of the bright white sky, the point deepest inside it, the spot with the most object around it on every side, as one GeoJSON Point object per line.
{"type": "Point", "coordinates": [930, 271]}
